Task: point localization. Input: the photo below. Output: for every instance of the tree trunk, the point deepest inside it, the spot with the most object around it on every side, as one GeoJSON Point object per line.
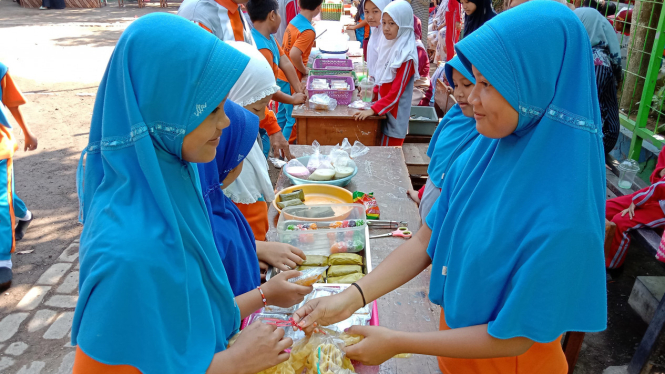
{"type": "Point", "coordinates": [638, 61]}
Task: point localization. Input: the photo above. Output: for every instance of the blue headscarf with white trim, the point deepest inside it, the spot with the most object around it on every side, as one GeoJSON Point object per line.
{"type": "Point", "coordinates": [519, 225]}
{"type": "Point", "coordinates": [233, 236]}
{"type": "Point", "coordinates": [454, 134]}
{"type": "Point", "coordinates": [153, 290]}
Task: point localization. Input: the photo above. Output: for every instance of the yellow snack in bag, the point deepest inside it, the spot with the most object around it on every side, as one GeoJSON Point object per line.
{"type": "Point", "coordinates": [315, 260]}
{"type": "Point", "coordinates": [340, 270]}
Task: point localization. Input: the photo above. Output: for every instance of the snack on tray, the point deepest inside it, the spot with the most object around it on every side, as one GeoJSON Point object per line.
{"type": "Point", "coordinates": [313, 212]}
{"type": "Point", "coordinates": [369, 201]}
{"type": "Point", "coordinates": [348, 246]}
{"type": "Point", "coordinates": [315, 260]}
{"type": "Point", "coordinates": [295, 195]}
{"type": "Point", "coordinates": [340, 270]}
{"type": "Point", "coordinates": [345, 259]}
{"type": "Point", "coordinates": [284, 204]}
{"type": "Point", "coordinates": [302, 227]}
{"type": "Point", "coordinates": [309, 276]}
{"type": "Point", "coordinates": [346, 279]}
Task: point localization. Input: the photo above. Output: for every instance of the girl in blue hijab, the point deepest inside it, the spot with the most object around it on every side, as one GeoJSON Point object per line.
{"type": "Point", "coordinates": [515, 241]}
{"type": "Point", "coordinates": [154, 295]}
{"type": "Point", "coordinates": [454, 135]}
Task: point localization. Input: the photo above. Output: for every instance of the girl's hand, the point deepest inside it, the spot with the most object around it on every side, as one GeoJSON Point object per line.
{"type": "Point", "coordinates": [377, 346]}
{"type": "Point", "coordinates": [282, 293]}
{"type": "Point", "coordinates": [630, 211]}
{"type": "Point", "coordinates": [327, 310]}
{"type": "Point", "coordinates": [263, 267]}
{"type": "Point", "coordinates": [362, 115]}
{"type": "Point", "coordinates": [280, 255]}
{"type": "Point", "coordinates": [30, 141]}
{"type": "Point", "coordinates": [259, 347]}
{"type": "Point", "coordinates": [299, 98]}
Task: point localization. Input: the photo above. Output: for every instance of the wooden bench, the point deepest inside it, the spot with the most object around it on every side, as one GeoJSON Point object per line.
{"type": "Point", "coordinates": [649, 240]}
{"type": "Point", "coordinates": [417, 161]}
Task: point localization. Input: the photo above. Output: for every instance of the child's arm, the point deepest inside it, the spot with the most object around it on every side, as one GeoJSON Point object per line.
{"type": "Point", "coordinates": [388, 102]}
{"type": "Point", "coordinates": [296, 57]}
{"type": "Point", "coordinates": [277, 141]}
{"type": "Point", "coordinates": [30, 138]}
{"type": "Point", "coordinates": [357, 26]}
{"type": "Point", "coordinates": [655, 192]}
{"type": "Point", "coordinates": [290, 73]}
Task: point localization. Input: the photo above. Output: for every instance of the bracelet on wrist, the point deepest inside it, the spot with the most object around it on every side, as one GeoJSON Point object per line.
{"type": "Point", "coordinates": [263, 296]}
{"type": "Point", "coordinates": [361, 292]}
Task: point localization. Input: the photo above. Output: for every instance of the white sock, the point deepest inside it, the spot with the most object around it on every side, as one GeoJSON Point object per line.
{"type": "Point", "coordinates": [6, 263]}
{"type": "Point", "coordinates": [27, 217]}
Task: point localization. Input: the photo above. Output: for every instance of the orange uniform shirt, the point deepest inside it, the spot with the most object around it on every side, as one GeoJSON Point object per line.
{"type": "Point", "coordinates": [294, 39]}
{"type": "Point", "coordinates": [11, 98]}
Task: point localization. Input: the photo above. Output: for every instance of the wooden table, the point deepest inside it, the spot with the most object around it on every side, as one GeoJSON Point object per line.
{"type": "Point", "coordinates": [331, 127]}
{"type": "Point", "coordinates": [383, 171]}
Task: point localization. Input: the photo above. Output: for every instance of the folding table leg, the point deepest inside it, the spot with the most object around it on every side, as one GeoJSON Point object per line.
{"type": "Point", "coordinates": [572, 344]}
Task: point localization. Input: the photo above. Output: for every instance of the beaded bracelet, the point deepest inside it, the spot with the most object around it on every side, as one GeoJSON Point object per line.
{"type": "Point", "coordinates": [263, 297]}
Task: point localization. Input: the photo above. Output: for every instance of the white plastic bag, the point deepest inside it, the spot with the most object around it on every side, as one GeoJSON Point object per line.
{"type": "Point", "coordinates": [322, 102]}
{"type": "Point", "coordinates": [358, 150]}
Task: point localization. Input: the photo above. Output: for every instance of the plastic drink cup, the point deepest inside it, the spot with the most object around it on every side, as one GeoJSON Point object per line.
{"type": "Point", "coordinates": [627, 171]}
{"type": "Point", "coordinates": [367, 89]}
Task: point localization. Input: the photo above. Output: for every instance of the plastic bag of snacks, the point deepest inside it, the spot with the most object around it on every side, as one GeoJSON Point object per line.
{"type": "Point", "coordinates": [309, 276]}
{"type": "Point", "coordinates": [315, 158]}
{"type": "Point", "coordinates": [297, 169]}
{"type": "Point", "coordinates": [320, 353]}
{"type": "Point", "coordinates": [322, 102]}
{"type": "Point", "coordinates": [369, 201]}
{"type": "Point", "coordinates": [324, 172]}
{"type": "Point", "coordinates": [358, 150]}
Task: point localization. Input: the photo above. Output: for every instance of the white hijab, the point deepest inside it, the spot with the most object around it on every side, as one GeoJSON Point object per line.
{"type": "Point", "coordinates": [375, 39]}
{"type": "Point", "coordinates": [256, 82]}
{"type": "Point", "coordinates": [403, 48]}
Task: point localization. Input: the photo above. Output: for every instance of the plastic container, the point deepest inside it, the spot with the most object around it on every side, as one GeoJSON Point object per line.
{"type": "Point", "coordinates": [337, 182]}
{"type": "Point", "coordinates": [423, 126]}
{"type": "Point", "coordinates": [367, 90]}
{"type": "Point", "coordinates": [360, 71]}
{"type": "Point", "coordinates": [331, 12]}
{"type": "Point", "coordinates": [321, 240]}
{"type": "Point", "coordinates": [332, 64]}
{"type": "Point", "coordinates": [627, 171]}
{"type": "Point", "coordinates": [343, 97]}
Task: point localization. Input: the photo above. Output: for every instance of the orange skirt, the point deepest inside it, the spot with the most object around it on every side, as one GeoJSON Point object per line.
{"type": "Point", "coordinates": [257, 216]}
{"type": "Point", "coordinates": [541, 358]}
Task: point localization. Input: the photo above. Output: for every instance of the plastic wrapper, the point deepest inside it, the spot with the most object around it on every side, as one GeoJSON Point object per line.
{"type": "Point", "coordinates": [358, 150]}
{"type": "Point", "coordinates": [295, 195]}
{"type": "Point", "coordinates": [315, 260]}
{"type": "Point", "coordinates": [324, 172]}
{"type": "Point", "coordinates": [345, 259]}
{"type": "Point", "coordinates": [347, 246]}
{"type": "Point", "coordinates": [315, 158]}
{"type": "Point", "coordinates": [350, 339]}
{"type": "Point", "coordinates": [322, 102]}
{"type": "Point", "coordinates": [369, 201]}
{"type": "Point", "coordinates": [359, 104]}
{"type": "Point", "coordinates": [309, 276]}
{"type": "Point", "coordinates": [284, 204]}
{"type": "Point", "coordinates": [282, 368]}
{"type": "Point", "coordinates": [346, 279]}
{"type": "Point", "coordinates": [296, 169]}
{"type": "Point", "coordinates": [277, 162]}
{"type": "Point", "coordinates": [320, 354]}
{"type": "Point", "coordinates": [288, 330]}
{"type": "Point", "coordinates": [339, 157]}
{"type": "Point", "coordinates": [340, 270]}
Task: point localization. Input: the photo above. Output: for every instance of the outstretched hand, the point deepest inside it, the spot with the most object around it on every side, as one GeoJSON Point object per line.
{"type": "Point", "coordinates": [376, 348]}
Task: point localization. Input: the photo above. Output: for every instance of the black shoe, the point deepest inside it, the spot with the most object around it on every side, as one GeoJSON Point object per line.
{"type": "Point", "coordinates": [5, 278]}
{"type": "Point", "coordinates": [21, 228]}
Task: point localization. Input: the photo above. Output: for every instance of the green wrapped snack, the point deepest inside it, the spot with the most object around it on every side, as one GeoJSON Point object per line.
{"type": "Point", "coordinates": [295, 195]}
{"type": "Point", "coordinates": [346, 279]}
{"type": "Point", "coordinates": [283, 204]}
{"type": "Point", "coordinates": [315, 261]}
{"type": "Point", "coordinates": [345, 259]}
{"type": "Point", "coordinates": [320, 212]}
{"type": "Point", "coordinates": [341, 270]}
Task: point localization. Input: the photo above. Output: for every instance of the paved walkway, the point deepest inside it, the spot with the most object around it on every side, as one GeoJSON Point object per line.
{"type": "Point", "coordinates": [35, 337]}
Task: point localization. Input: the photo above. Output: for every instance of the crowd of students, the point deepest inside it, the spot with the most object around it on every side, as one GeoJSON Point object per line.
{"type": "Point", "coordinates": [173, 190]}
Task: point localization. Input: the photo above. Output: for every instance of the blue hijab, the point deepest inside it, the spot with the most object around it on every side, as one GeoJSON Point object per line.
{"type": "Point", "coordinates": [519, 225]}
{"type": "Point", "coordinates": [153, 290]}
{"type": "Point", "coordinates": [233, 236]}
{"type": "Point", "coordinates": [454, 134]}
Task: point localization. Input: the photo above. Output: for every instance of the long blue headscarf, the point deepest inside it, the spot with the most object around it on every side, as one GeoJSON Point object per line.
{"type": "Point", "coordinates": [454, 134]}
{"type": "Point", "coordinates": [519, 223]}
{"type": "Point", "coordinates": [153, 290]}
{"type": "Point", "coordinates": [233, 236]}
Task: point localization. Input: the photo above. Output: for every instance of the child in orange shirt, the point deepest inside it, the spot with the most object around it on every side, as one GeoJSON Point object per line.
{"type": "Point", "coordinates": [266, 21]}
{"type": "Point", "coordinates": [11, 206]}
{"type": "Point", "coordinates": [298, 41]}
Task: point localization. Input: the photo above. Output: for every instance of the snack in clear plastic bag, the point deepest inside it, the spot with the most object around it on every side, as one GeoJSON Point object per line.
{"type": "Point", "coordinates": [350, 339]}
{"type": "Point", "coordinates": [322, 102]}
{"type": "Point", "coordinates": [325, 355]}
{"type": "Point", "coordinates": [339, 157]}
{"type": "Point", "coordinates": [309, 276]}
{"type": "Point", "coordinates": [346, 279]}
{"type": "Point", "coordinates": [340, 270]}
{"type": "Point", "coordinates": [294, 195]}
{"type": "Point", "coordinates": [358, 149]}
{"type": "Point", "coordinates": [299, 353]}
{"type": "Point", "coordinates": [277, 162]}
{"type": "Point", "coordinates": [347, 246]}
{"type": "Point", "coordinates": [345, 259]}
{"type": "Point", "coordinates": [282, 368]}
{"type": "Point", "coordinates": [315, 260]}
{"type": "Point", "coordinates": [324, 172]}
{"type": "Point", "coordinates": [369, 201]}
{"type": "Point", "coordinates": [346, 146]}
{"type": "Point", "coordinates": [315, 158]}
{"type": "Point", "coordinates": [296, 169]}
{"type": "Point", "coordinates": [359, 104]}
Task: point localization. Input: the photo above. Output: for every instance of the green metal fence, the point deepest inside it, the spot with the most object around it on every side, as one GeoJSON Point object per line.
{"type": "Point", "coordinates": [642, 93]}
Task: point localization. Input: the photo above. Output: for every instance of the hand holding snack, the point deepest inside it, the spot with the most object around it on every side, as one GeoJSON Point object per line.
{"type": "Point", "coordinates": [280, 292]}
{"type": "Point", "coordinates": [258, 347]}
{"type": "Point", "coordinates": [375, 348]}
{"type": "Point", "coordinates": [328, 310]}
{"type": "Point", "coordinates": [280, 255]}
